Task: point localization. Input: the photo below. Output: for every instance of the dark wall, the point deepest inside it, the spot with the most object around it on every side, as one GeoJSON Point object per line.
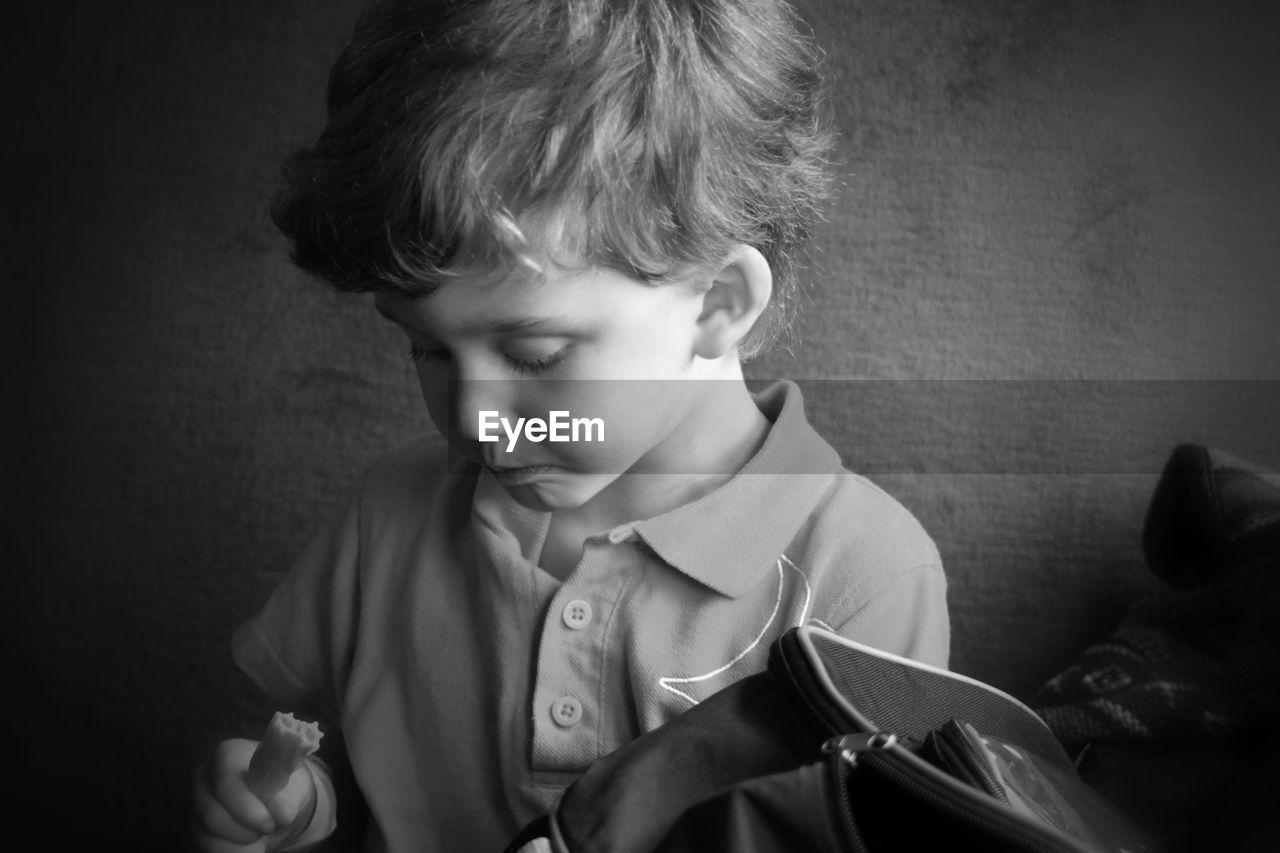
{"type": "Point", "coordinates": [1079, 199]}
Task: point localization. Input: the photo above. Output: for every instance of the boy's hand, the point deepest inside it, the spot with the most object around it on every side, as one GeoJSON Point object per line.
{"type": "Point", "coordinates": [230, 819]}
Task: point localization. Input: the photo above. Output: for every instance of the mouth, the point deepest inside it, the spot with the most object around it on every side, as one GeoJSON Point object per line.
{"type": "Point", "coordinates": [518, 476]}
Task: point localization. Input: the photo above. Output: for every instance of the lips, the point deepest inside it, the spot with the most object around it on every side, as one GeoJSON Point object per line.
{"type": "Point", "coordinates": [517, 476]}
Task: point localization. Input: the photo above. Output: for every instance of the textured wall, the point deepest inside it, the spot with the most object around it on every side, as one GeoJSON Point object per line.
{"type": "Point", "coordinates": [1064, 196]}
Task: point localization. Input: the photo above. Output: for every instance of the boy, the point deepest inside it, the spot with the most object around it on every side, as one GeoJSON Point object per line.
{"type": "Point", "coordinates": [550, 197]}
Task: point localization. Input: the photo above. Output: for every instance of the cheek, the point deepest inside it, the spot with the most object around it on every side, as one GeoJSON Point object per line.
{"type": "Point", "coordinates": [435, 393]}
{"type": "Point", "coordinates": [660, 351]}
{"type": "Point", "coordinates": [655, 342]}
{"type": "Point", "coordinates": [624, 405]}
{"type": "Point", "coordinates": [636, 416]}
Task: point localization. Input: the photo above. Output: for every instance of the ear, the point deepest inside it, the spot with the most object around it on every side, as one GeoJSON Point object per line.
{"type": "Point", "coordinates": [737, 294]}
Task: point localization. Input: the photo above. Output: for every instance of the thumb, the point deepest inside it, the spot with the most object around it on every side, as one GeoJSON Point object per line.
{"type": "Point", "coordinates": [295, 802]}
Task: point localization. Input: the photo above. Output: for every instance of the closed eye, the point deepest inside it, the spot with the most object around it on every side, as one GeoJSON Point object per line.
{"type": "Point", "coordinates": [534, 367]}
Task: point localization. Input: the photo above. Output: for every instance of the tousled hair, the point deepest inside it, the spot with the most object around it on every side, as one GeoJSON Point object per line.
{"type": "Point", "coordinates": [647, 136]}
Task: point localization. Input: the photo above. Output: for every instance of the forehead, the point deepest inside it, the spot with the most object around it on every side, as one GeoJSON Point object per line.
{"type": "Point", "coordinates": [587, 300]}
{"type": "Point", "coordinates": [519, 300]}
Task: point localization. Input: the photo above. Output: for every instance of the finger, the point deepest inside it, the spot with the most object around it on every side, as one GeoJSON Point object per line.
{"type": "Point", "coordinates": [212, 844]}
{"type": "Point", "coordinates": [289, 802]}
{"type": "Point", "coordinates": [213, 817]}
{"type": "Point", "coordinates": [226, 781]}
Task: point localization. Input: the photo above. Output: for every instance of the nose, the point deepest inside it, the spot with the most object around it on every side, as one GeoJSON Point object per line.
{"type": "Point", "coordinates": [455, 395]}
{"type": "Point", "coordinates": [470, 398]}
{"type": "Point", "coordinates": [465, 402]}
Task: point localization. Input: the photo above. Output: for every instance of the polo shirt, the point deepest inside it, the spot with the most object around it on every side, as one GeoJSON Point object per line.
{"type": "Point", "coordinates": [472, 686]}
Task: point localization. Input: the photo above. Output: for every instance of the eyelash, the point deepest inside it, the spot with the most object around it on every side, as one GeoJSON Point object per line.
{"type": "Point", "coordinates": [416, 354]}
{"type": "Point", "coordinates": [526, 368]}
{"type": "Point", "coordinates": [533, 368]}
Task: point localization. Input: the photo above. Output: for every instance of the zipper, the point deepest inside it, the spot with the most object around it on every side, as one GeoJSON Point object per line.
{"type": "Point", "coordinates": [848, 746]}
{"type": "Point", "coordinates": [844, 751]}
{"type": "Point", "coordinates": [840, 768]}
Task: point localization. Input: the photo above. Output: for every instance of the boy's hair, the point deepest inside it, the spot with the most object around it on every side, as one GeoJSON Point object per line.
{"type": "Point", "coordinates": [642, 135]}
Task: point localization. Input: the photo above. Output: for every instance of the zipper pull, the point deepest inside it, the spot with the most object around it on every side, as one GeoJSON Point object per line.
{"type": "Point", "coordinates": [850, 745]}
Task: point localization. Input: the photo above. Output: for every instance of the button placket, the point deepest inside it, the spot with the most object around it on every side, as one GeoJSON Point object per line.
{"type": "Point", "coordinates": [570, 661]}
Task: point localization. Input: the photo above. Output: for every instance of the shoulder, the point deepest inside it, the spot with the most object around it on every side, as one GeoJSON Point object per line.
{"type": "Point", "coordinates": [860, 524]}
{"type": "Point", "coordinates": [839, 516]}
{"type": "Point", "coordinates": [424, 453]}
{"type": "Point", "coordinates": [416, 473]}
{"type": "Point", "coordinates": [418, 485]}
{"type": "Point", "coordinates": [876, 574]}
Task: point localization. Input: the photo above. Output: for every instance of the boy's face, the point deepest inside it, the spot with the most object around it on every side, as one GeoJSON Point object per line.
{"type": "Point", "coordinates": [571, 340]}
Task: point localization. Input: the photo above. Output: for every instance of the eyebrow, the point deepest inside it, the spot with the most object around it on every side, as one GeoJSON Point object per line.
{"type": "Point", "coordinates": [542, 325]}
{"type": "Point", "coordinates": [532, 325]}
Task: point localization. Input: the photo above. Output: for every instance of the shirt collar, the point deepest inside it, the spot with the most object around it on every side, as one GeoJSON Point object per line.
{"type": "Point", "coordinates": [729, 537]}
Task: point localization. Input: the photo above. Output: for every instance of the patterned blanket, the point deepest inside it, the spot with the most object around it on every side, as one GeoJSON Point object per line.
{"type": "Point", "coordinates": [1201, 661]}
{"type": "Point", "coordinates": [1179, 704]}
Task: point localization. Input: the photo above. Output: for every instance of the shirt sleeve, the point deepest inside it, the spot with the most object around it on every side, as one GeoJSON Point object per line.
{"type": "Point", "coordinates": [298, 648]}
{"type": "Point", "coordinates": [907, 617]}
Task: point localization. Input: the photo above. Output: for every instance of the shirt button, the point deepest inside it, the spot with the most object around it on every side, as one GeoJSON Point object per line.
{"type": "Point", "coordinates": [620, 535]}
{"type": "Point", "coordinates": [566, 712]}
{"type": "Point", "coordinates": [576, 615]}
